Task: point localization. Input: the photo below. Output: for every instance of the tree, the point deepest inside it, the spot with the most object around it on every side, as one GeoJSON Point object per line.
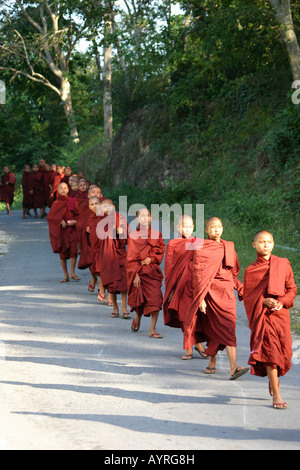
{"type": "Point", "coordinates": [48, 40]}
{"type": "Point", "coordinates": [284, 15]}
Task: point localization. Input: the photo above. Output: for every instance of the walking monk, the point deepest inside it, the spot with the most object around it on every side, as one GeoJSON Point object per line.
{"type": "Point", "coordinates": [269, 292]}
{"type": "Point", "coordinates": [144, 277]}
{"type": "Point", "coordinates": [62, 220]}
{"type": "Point", "coordinates": [27, 187]}
{"type": "Point", "coordinates": [7, 188]}
{"type": "Point", "coordinates": [179, 289]}
{"type": "Point", "coordinates": [216, 268]}
{"type": "Point", "coordinates": [112, 233]}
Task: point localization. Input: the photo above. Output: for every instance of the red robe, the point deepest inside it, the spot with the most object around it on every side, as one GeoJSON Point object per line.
{"type": "Point", "coordinates": [270, 341]}
{"type": "Point", "coordinates": [148, 298]}
{"type": "Point", "coordinates": [63, 240]}
{"type": "Point", "coordinates": [178, 270]}
{"type": "Point", "coordinates": [27, 186]}
{"type": "Point", "coordinates": [38, 190]}
{"type": "Point", "coordinates": [94, 243]}
{"type": "Point", "coordinates": [216, 268]}
{"type": "Point", "coordinates": [113, 252]}
{"type": "Point", "coordinates": [7, 190]}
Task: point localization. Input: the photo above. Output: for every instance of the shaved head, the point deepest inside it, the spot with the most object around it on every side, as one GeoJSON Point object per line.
{"type": "Point", "coordinates": [262, 232]}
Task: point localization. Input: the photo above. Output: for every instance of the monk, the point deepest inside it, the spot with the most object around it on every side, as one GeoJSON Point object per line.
{"type": "Point", "coordinates": [216, 268]}
{"type": "Point", "coordinates": [7, 188]}
{"type": "Point", "coordinates": [179, 289]}
{"type": "Point", "coordinates": [62, 219]}
{"type": "Point", "coordinates": [269, 292]}
{"type": "Point", "coordinates": [112, 232]}
{"type": "Point", "coordinates": [38, 196]}
{"type": "Point", "coordinates": [145, 253]}
{"type": "Point", "coordinates": [58, 176]}
{"type": "Point", "coordinates": [74, 185]}
{"type": "Point", "coordinates": [27, 187]}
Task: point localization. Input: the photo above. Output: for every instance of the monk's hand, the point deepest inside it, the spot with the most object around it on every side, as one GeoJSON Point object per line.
{"type": "Point", "coordinates": [120, 231]}
{"type": "Point", "coordinates": [270, 303]}
{"type": "Point", "coordinates": [88, 229]}
{"type": "Point", "coordinates": [137, 281]}
{"type": "Point", "coordinates": [70, 223]}
{"type": "Point", "coordinates": [63, 224]}
{"type": "Point", "coordinates": [279, 306]}
{"type": "Point", "coordinates": [202, 306]}
{"type": "Point", "coordinates": [146, 262]}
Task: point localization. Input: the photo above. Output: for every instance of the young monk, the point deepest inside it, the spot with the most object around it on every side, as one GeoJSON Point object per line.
{"type": "Point", "coordinates": [179, 289]}
{"type": "Point", "coordinates": [62, 220]}
{"type": "Point", "coordinates": [38, 191]}
{"type": "Point", "coordinates": [145, 252]}
{"type": "Point", "coordinates": [269, 292]}
{"type": "Point", "coordinates": [216, 268]}
{"type": "Point", "coordinates": [112, 232]}
{"type": "Point", "coordinates": [27, 187]}
{"type": "Point", "coordinates": [7, 186]}
{"type": "Point", "coordinates": [74, 185]}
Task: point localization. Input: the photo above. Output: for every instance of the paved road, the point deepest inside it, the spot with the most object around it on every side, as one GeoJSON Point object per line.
{"type": "Point", "coordinates": [73, 378]}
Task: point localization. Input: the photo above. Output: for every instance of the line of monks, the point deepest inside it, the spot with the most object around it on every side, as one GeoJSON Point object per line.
{"type": "Point", "coordinates": [200, 278]}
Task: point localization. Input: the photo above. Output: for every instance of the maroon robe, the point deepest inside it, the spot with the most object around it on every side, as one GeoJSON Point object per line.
{"type": "Point", "coordinates": [216, 268]}
{"type": "Point", "coordinates": [148, 298]}
{"type": "Point", "coordinates": [8, 182]}
{"type": "Point", "coordinates": [63, 240]}
{"type": "Point", "coordinates": [113, 252]}
{"type": "Point", "coordinates": [38, 190]}
{"type": "Point", "coordinates": [270, 341]}
{"type": "Point", "coordinates": [27, 186]}
{"type": "Point", "coordinates": [178, 269]}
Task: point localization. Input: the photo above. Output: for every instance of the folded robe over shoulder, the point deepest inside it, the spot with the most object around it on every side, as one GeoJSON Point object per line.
{"type": "Point", "coordinates": [178, 270]}
{"type": "Point", "coordinates": [144, 244]}
{"type": "Point", "coordinates": [215, 272]}
{"type": "Point", "coordinates": [63, 240]}
{"type": "Point", "coordinates": [270, 341]}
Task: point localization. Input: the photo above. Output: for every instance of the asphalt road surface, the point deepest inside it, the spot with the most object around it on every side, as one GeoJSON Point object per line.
{"type": "Point", "coordinates": [73, 378]}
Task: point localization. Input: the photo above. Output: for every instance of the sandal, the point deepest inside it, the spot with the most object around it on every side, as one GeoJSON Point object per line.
{"type": "Point", "coordinates": [75, 278]}
{"type": "Point", "coordinates": [239, 372]}
{"type": "Point", "coordinates": [126, 316]}
{"type": "Point", "coordinates": [187, 357]}
{"type": "Point", "coordinates": [114, 315]}
{"type": "Point", "coordinates": [135, 327]}
{"type": "Point", "coordinates": [91, 288]}
{"type": "Point", "coordinates": [64, 280]}
{"type": "Point", "coordinates": [101, 298]}
{"type": "Point", "coordinates": [210, 370]}
{"type": "Point", "coordinates": [156, 335]}
{"type": "Point", "coordinates": [202, 353]}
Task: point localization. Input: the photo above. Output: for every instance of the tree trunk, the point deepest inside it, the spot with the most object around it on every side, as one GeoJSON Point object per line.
{"type": "Point", "coordinates": [107, 98]}
{"type": "Point", "coordinates": [68, 108]}
{"type": "Point", "coordinates": [284, 16]}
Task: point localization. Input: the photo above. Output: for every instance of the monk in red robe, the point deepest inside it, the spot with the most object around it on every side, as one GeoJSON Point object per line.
{"type": "Point", "coordinates": [74, 185]}
{"type": "Point", "coordinates": [112, 232]}
{"type": "Point", "coordinates": [7, 188]}
{"type": "Point", "coordinates": [38, 191]}
{"type": "Point", "coordinates": [27, 187]}
{"type": "Point", "coordinates": [62, 219]}
{"type": "Point", "coordinates": [269, 292]}
{"type": "Point", "coordinates": [85, 260]}
{"type": "Point", "coordinates": [179, 289]}
{"type": "Point", "coordinates": [145, 253]}
{"type": "Point", "coordinates": [216, 268]}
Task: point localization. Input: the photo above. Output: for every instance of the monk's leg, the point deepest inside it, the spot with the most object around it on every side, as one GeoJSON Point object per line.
{"type": "Point", "coordinates": [24, 213]}
{"type": "Point", "coordinates": [124, 306]}
{"type": "Point", "coordinates": [278, 402]}
{"type": "Point", "coordinates": [115, 313]}
{"type": "Point", "coordinates": [235, 370]}
{"type": "Point", "coordinates": [101, 292]}
{"type": "Point", "coordinates": [65, 270]}
{"type": "Point", "coordinates": [73, 266]}
{"type": "Point", "coordinates": [153, 333]}
{"type": "Point", "coordinates": [8, 208]}
{"type": "Point", "coordinates": [211, 368]}
{"type": "Point", "coordinates": [135, 325]}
